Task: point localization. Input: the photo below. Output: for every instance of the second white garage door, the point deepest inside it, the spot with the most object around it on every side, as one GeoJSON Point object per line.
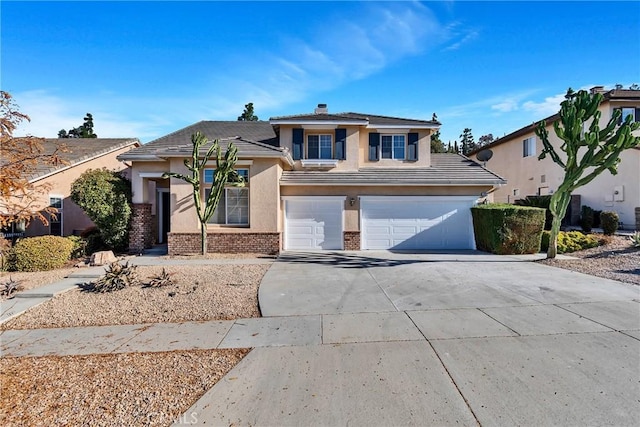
{"type": "Point", "coordinates": [414, 223]}
{"type": "Point", "coordinates": [313, 223]}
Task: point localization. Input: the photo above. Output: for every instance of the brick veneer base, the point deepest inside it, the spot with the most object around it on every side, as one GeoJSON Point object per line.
{"type": "Point", "coordinates": [351, 240]}
{"type": "Point", "coordinates": [141, 230]}
{"type": "Point", "coordinates": [638, 219]}
{"type": "Point", "coordinates": [189, 243]}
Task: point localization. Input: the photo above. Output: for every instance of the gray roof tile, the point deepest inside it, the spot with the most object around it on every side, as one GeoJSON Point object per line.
{"type": "Point", "coordinates": [260, 132]}
{"type": "Point", "coordinates": [79, 150]}
{"type": "Point", "coordinates": [446, 169]}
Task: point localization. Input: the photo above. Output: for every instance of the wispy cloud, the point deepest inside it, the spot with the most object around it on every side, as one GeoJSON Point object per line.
{"type": "Point", "coordinates": [291, 70]}
{"type": "Point", "coordinates": [355, 48]}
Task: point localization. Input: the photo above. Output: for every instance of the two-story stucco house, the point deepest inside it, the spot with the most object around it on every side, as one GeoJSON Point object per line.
{"type": "Point", "coordinates": [316, 181]}
{"type": "Point", "coordinates": [515, 157]}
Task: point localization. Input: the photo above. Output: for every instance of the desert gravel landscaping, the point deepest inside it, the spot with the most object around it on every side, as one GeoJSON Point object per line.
{"type": "Point", "coordinates": [202, 292]}
{"type": "Point", "coordinates": [616, 260]}
{"type": "Point", "coordinates": [151, 389]}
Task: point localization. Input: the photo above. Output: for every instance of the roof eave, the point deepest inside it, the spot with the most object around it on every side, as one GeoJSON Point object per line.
{"type": "Point", "coordinates": [404, 184]}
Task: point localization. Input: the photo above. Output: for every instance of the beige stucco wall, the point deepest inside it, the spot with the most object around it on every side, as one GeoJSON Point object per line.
{"type": "Point", "coordinates": [264, 199]}
{"type": "Point", "coordinates": [352, 213]}
{"type": "Point", "coordinates": [525, 175]}
{"type": "Point", "coordinates": [73, 218]}
{"type": "Point", "coordinates": [357, 148]}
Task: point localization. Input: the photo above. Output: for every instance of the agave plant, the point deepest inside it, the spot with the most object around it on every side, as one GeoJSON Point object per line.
{"type": "Point", "coordinates": [116, 277]}
{"type": "Point", "coordinates": [635, 239]}
{"type": "Point", "coordinates": [9, 288]}
{"type": "Point", "coordinates": [163, 279]}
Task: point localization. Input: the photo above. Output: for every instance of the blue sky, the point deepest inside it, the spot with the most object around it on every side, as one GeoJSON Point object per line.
{"type": "Point", "coordinates": [145, 69]}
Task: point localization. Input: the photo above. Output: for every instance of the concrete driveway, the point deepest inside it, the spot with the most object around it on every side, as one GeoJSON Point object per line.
{"type": "Point", "coordinates": [384, 338]}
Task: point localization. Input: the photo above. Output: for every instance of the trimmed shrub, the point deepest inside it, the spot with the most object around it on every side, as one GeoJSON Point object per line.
{"type": "Point", "coordinates": [538, 202]}
{"type": "Point", "coordinates": [105, 196]}
{"type": "Point", "coordinates": [609, 221]}
{"type": "Point", "coordinates": [42, 253]}
{"type": "Point", "coordinates": [505, 229]}
{"type": "Point", "coordinates": [586, 219]}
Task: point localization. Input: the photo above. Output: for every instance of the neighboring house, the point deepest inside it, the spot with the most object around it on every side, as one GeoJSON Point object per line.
{"type": "Point", "coordinates": [315, 181]}
{"type": "Point", "coordinates": [83, 154]}
{"type": "Point", "coordinates": [515, 157]}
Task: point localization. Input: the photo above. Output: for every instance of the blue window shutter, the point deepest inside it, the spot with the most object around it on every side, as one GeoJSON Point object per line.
{"type": "Point", "coordinates": [412, 146]}
{"type": "Point", "coordinates": [637, 115]}
{"type": "Point", "coordinates": [341, 144]}
{"type": "Point", "coordinates": [374, 145]}
{"type": "Point", "coordinates": [298, 143]}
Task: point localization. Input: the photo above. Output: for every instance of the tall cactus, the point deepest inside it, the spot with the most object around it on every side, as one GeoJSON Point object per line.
{"type": "Point", "coordinates": [225, 173]}
{"type": "Point", "coordinates": [589, 152]}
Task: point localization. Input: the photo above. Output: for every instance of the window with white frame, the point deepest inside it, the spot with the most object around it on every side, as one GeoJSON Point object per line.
{"type": "Point", "coordinates": [393, 147]}
{"type": "Point", "coordinates": [629, 112]}
{"type": "Point", "coordinates": [529, 147]}
{"type": "Point", "coordinates": [233, 207]}
{"type": "Point", "coordinates": [319, 146]}
{"type": "Point", "coordinates": [55, 220]}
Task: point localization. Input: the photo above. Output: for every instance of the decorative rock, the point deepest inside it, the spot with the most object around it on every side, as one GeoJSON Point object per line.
{"type": "Point", "coordinates": [102, 258]}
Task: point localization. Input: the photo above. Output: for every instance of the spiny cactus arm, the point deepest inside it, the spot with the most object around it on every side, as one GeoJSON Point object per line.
{"type": "Point", "coordinates": [543, 134]}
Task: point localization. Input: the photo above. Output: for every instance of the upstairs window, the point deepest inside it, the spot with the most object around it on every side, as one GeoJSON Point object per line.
{"type": "Point", "coordinates": [393, 147]}
{"type": "Point", "coordinates": [630, 111]}
{"type": "Point", "coordinates": [319, 146]}
{"type": "Point", "coordinates": [233, 207]}
{"type": "Point", "coordinates": [397, 147]}
{"type": "Point", "coordinates": [529, 147]}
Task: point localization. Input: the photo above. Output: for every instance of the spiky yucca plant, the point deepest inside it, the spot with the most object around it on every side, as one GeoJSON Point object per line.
{"type": "Point", "coordinates": [10, 287]}
{"type": "Point", "coordinates": [163, 279]}
{"type": "Point", "coordinates": [116, 277]}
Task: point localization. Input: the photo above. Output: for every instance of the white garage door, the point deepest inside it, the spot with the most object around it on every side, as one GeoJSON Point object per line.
{"type": "Point", "coordinates": [414, 223]}
{"type": "Point", "coordinates": [313, 223]}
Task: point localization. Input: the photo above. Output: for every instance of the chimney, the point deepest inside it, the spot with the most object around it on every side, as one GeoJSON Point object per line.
{"type": "Point", "coordinates": [321, 109]}
{"type": "Point", "coordinates": [597, 89]}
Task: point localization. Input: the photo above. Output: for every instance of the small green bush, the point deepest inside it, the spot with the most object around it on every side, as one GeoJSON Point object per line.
{"type": "Point", "coordinates": [42, 253]}
{"type": "Point", "coordinates": [507, 229]}
{"type": "Point", "coordinates": [79, 247]}
{"type": "Point", "coordinates": [609, 221]}
{"type": "Point", "coordinates": [571, 241]}
{"type": "Point", "coordinates": [586, 219]}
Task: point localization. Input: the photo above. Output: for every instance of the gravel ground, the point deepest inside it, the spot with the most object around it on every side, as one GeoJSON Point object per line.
{"type": "Point", "coordinates": [616, 260]}
{"type": "Point", "coordinates": [151, 389]}
{"type": "Point", "coordinates": [29, 280]}
{"type": "Point", "coordinates": [202, 292]}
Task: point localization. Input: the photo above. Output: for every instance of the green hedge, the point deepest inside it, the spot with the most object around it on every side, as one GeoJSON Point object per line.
{"type": "Point", "coordinates": [42, 253]}
{"type": "Point", "coordinates": [505, 229]}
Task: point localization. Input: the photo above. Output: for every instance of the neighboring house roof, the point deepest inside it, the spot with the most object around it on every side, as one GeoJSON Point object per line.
{"type": "Point", "coordinates": [612, 95]}
{"type": "Point", "coordinates": [446, 169]}
{"type": "Point", "coordinates": [369, 120]}
{"type": "Point", "coordinates": [253, 139]}
{"type": "Point", "coordinates": [80, 150]}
